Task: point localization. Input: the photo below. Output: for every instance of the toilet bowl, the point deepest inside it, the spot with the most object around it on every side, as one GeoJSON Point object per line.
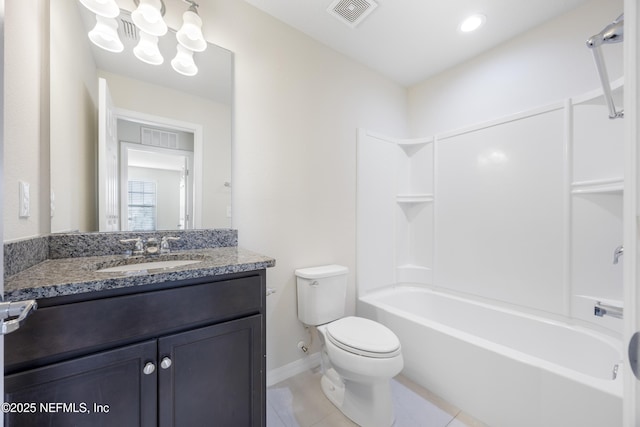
{"type": "Point", "coordinates": [357, 372]}
{"type": "Point", "coordinates": [359, 356]}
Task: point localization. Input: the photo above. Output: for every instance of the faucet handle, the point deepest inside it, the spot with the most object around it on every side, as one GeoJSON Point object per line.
{"type": "Point", "coordinates": [165, 246]}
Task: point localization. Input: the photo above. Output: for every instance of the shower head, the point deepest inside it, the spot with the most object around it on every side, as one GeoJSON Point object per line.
{"type": "Point", "coordinates": [612, 33]}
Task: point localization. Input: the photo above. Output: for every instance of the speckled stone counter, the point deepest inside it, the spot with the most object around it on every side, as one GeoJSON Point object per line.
{"type": "Point", "coordinates": [69, 245]}
{"type": "Point", "coordinates": [70, 276]}
{"type": "Point", "coordinates": [22, 254]}
{"type": "Point", "coordinates": [67, 264]}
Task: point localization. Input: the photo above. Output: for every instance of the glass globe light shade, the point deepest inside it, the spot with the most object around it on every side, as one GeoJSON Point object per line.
{"type": "Point", "coordinates": [148, 17]}
{"type": "Point", "coordinates": [147, 49]}
{"type": "Point", "coordinates": [105, 34]}
{"type": "Point", "coordinates": [105, 8]}
{"type": "Point", "coordinates": [190, 34]}
{"type": "Point", "coordinates": [183, 62]}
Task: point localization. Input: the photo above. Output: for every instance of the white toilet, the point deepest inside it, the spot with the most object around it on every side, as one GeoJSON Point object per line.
{"type": "Point", "coordinates": [359, 356]}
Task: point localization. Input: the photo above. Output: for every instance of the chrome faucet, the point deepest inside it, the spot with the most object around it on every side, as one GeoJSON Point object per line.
{"type": "Point", "coordinates": [617, 254]}
{"type": "Point", "coordinates": [165, 245]}
{"type": "Point", "coordinates": [141, 247]}
{"type": "Point", "coordinates": [138, 245]}
{"type": "Point", "coordinates": [152, 247]}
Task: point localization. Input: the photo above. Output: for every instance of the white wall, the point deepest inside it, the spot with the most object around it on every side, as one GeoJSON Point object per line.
{"type": "Point", "coordinates": [26, 125]}
{"type": "Point", "coordinates": [545, 65]}
{"type": "Point", "coordinates": [297, 107]}
{"type": "Point", "coordinates": [74, 93]}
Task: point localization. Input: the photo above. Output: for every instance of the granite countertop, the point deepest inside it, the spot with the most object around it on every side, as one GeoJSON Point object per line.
{"type": "Point", "coordinates": [70, 276]}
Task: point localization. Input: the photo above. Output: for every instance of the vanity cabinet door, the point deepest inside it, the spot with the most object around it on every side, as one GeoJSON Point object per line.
{"type": "Point", "coordinates": [215, 376]}
{"type": "Point", "coordinates": [104, 389]}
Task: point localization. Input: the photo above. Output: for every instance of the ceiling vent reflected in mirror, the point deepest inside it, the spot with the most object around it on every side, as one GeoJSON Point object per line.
{"type": "Point", "coordinates": [351, 12]}
{"type": "Point", "coordinates": [159, 138]}
{"type": "Point", "coordinates": [127, 29]}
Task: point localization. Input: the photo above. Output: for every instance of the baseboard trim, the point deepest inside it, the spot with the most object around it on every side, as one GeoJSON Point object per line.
{"type": "Point", "coordinates": [274, 376]}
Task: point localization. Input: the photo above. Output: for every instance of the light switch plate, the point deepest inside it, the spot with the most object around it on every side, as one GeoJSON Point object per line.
{"type": "Point", "coordinates": [24, 199]}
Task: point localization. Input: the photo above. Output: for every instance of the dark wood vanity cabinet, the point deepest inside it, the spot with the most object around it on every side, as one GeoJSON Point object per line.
{"type": "Point", "coordinates": [103, 389]}
{"type": "Point", "coordinates": [215, 390]}
{"type": "Point", "coordinates": [188, 353]}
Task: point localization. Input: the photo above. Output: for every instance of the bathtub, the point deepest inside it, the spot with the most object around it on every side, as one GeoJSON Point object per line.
{"type": "Point", "coordinates": [504, 367]}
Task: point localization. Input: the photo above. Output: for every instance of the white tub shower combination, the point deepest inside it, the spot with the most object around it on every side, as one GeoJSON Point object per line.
{"type": "Point", "coordinates": [486, 249]}
{"type": "Point", "coordinates": [504, 367]}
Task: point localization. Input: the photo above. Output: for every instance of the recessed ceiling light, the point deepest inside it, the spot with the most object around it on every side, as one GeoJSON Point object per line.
{"type": "Point", "coordinates": [472, 23]}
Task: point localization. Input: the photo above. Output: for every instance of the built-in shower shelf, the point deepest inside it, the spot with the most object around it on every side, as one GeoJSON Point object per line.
{"type": "Point", "coordinates": [412, 146]}
{"type": "Point", "coordinates": [612, 186]}
{"type": "Point", "coordinates": [411, 273]}
{"type": "Point", "coordinates": [414, 199]}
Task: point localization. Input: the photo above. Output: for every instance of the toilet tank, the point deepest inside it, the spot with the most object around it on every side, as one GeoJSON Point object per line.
{"type": "Point", "coordinates": [322, 293]}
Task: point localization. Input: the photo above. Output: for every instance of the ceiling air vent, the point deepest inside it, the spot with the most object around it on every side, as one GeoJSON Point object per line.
{"type": "Point", "coordinates": [351, 12]}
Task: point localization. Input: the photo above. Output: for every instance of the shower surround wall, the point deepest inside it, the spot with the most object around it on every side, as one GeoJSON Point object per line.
{"type": "Point", "coordinates": [523, 211]}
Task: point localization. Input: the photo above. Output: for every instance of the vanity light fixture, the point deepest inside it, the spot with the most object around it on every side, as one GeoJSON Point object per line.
{"type": "Point", "coordinates": [148, 17]}
{"type": "Point", "coordinates": [190, 34]}
{"type": "Point", "coordinates": [472, 23]}
{"type": "Point", "coordinates": [190, 39]}
{"type": "Point", "coordinates": [105, 34]}
{"type": "Point", "coordinates": [106, 8]}
{"type": "Point", "coordinates": [149, 22]}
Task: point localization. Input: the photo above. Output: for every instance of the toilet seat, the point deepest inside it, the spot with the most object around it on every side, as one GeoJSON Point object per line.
{"type": "Point", "coordinates": [363, 337]}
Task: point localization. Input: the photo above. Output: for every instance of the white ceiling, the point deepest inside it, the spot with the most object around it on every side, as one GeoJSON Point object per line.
{"type": "Point", "coordinates": [411, 40]}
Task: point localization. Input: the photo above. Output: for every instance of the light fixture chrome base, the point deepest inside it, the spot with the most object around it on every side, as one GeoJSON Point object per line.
{"type": "Point", "coordinates": [163, 8]}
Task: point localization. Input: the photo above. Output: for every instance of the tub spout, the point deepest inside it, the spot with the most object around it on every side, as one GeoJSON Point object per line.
{"type": "Point", "coordinates": [617, 253]}
{"type": "Point", "coordinates": [607, 310]}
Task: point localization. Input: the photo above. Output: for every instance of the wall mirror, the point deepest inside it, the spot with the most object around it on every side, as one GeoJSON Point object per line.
{"type": "Point", "coordinates": [168, 162]}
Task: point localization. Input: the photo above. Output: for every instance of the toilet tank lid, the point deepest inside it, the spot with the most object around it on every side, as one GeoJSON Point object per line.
{"type": "Point", "coordinates": [322, 271]}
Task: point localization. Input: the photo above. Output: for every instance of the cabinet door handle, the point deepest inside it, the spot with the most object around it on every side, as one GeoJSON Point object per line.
{"type": "Point", "coordinates": [22, 309]}
{"type": "Point", "coordinates": [149, 368]}
{"type": "Point", "coordinates": [165, 363]}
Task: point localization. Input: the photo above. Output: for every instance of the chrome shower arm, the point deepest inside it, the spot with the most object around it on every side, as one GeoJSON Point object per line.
{"type": "Point", "coordinates": [606, 86]}
{"type": "Point", "coordinates": [612, 33]}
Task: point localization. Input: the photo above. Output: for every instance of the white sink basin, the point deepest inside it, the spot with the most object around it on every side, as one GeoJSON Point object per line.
{"type": "Point", "coordinates": [145, 266]}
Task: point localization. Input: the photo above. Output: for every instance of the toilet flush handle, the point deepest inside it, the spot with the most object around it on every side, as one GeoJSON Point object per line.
{"type": "Point", "coordinates": [315, 283]}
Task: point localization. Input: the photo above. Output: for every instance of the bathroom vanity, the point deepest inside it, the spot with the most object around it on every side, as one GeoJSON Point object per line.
{"type": "Point", "coordinates": [183, 347]}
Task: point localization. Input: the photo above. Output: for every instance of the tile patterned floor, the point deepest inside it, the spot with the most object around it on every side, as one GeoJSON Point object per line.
{"type": "Point", "coordinates": [299, 402]}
